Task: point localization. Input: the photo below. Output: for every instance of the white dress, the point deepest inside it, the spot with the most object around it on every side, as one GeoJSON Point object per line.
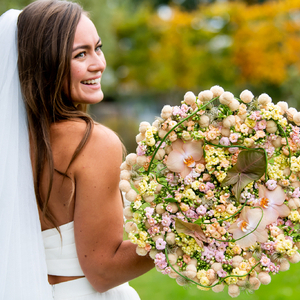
{"type": "Point", "coordinates": [62, 260]}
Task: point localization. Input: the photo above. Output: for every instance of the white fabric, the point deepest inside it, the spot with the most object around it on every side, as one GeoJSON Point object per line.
{"type": "Point", "coordinates": [80, 289]}
{"type": "Point", "coordinates": [23, 273]}
{"type": "Point", "coordinates": [62, 260]}
{"type": "Point", "coordinates": [61, 255]}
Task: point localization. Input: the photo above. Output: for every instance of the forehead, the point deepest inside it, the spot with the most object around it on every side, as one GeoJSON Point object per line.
{"type": "Point", "coordinates": [86, 32]}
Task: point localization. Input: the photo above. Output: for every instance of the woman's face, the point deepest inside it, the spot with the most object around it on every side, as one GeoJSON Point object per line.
{"type": "Point", "coordinates": [87, 65]}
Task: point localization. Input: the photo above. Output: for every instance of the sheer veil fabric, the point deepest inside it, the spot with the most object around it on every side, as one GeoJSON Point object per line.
{"type": "Point", "coordinates": [23, 273]}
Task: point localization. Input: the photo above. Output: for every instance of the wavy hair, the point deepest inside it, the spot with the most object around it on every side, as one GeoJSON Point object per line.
{"type": "Point", "coordinates": [46, 30]}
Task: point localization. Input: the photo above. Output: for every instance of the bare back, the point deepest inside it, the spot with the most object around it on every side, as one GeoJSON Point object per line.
{"type": "Point", "coordinates": [65, 137]}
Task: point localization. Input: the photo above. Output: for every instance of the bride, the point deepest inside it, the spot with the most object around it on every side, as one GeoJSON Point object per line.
{"type": "Point", "coordinates": [55, 155]}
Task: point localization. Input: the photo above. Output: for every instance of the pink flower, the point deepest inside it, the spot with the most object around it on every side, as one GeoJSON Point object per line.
{"type": "Point", "coordinates": [160, 244]}
{"type": "Point", "coordinates": [262, 124]}
{"type": "Point", "coordinates": [167, 270]}
{"type": "Point", "coordinates": [221, 273]}
{"type": "Point", "coordinates": [166, 221]}
{"type": "Point", "coordinates": [234, 137]}
{"type": "Point", "coordinates": [184, 156]}
{"type": "Point", "coordinates": [224, 141]}
{"type": "Point", "coordinates": [201, 210]}
{"type": "Point", "coordinates": [186, 258]}
{"type": "Point", "coordinates": [160, 257]}
{"type": "Point", "coordinates": [296, 193]}
{"type": "Point", "coordinates": [265, 261]}
{"type": "Point", "coordinates": [162, 264]}
{"type": "Point", "coordinates": [271, 184]}
{"type": "Point", "coordinates": [245, 224]}
{"type": "Point", "coordinates": [272, 203]}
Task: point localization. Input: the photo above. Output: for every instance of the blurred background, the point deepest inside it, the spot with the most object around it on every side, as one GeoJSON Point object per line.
{"type": "Point", "coordinates": [156, 50]}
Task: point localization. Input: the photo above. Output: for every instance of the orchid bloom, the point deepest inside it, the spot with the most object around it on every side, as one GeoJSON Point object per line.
{"type": "Point", "coordinates": [247, 222]}
{"type": "Point", "coordinates": [184, 156]}
{"type": "Point", "coordinates": [272, 203]}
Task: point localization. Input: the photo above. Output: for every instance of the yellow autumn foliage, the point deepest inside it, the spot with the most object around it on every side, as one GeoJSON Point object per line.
{"type": "Point", "coordinates": [226, 43]}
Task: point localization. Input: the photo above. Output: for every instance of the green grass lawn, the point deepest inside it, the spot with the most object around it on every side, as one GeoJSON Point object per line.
{"type": "Point", "coordinates": [155, 286]}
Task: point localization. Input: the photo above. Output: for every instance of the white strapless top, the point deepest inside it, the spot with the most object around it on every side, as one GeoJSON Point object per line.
{"type": "Point", "coordinates": [61, 255]}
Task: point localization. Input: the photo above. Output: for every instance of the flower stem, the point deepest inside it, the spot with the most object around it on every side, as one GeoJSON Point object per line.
{"type": "Point", "coordinates": [178, 124]}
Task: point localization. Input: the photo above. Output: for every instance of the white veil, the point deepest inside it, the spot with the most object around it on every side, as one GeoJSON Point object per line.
{"type": "Point", "coordinates": [23, 273]}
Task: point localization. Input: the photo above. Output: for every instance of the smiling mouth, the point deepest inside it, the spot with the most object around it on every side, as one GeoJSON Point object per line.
{"type": "Point", "coordinates": [92, 82]}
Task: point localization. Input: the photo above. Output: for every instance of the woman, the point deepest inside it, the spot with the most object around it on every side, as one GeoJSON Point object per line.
{"type": "Point", "coordinates": [75, 162]}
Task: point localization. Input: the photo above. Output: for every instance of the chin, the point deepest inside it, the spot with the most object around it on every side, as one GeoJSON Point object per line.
{"type": "Point", "coordinates": [89, 100]}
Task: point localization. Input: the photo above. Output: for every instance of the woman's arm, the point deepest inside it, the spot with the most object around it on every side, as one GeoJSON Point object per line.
{"type": "Point", "coordinates": [105, 258]}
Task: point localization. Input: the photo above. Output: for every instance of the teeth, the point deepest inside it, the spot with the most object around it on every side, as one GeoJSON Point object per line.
{"type": "Point", "coordinates": [94, 81]}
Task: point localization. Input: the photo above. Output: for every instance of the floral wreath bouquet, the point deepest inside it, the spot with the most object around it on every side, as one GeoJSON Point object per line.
{"type": "Point", "coordinates": [214, 190]}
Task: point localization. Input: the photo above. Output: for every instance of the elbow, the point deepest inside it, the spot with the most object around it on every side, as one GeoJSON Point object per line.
{"type": "Point", "coordinates": [100, 283]}
{"type": "Point", "coordinates": [100, 278]}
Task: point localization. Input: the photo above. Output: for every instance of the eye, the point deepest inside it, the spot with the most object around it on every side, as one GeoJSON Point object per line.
{"type": "Point", "coordinates": [98, 48]}
{"type": "Point", "coordinates": [80, 55]}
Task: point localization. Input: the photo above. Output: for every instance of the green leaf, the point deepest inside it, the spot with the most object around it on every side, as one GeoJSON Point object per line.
{"type": "Point", "coordinates": [199, 221]}
{"type": "Point", "coordinates": [191, 229]}
{"type": "Point", "coordinates": [145, 205]}
{"type": "Point", "coordinates": [250, 166]}
{"type": "Point", "coordinates": [170, 200]}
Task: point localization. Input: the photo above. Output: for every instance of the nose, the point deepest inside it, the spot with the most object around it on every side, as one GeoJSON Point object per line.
{"type": "Point", "coordinates": [97, 63]}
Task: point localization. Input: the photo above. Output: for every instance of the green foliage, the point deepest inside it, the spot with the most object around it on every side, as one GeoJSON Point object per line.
{"type": "Point", "coordinates": [250, 166]}
{"type": "Point", "coordinates": [153, 285]}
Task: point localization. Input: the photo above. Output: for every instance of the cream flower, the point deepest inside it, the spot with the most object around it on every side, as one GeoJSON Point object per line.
{"type": "Point", "coordinates": [272, 203]}
{"type": "Point", "coordinates": [247, 222]}
{"type": "Point", "coordinates": [184, 156]}
{"type": "Point", "coordinates": [246, 96]}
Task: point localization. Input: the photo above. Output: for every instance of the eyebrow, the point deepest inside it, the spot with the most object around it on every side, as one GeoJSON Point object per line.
{"type": "Point", "coordinates": [86, 46]}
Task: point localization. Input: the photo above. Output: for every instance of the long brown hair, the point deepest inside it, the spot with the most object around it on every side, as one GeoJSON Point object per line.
{"type": "Point", "coordinates": [46, 30]}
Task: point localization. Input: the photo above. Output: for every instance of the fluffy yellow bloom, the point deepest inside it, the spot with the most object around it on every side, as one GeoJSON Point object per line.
{"type": "Point", "coordinates": [201, 273]}
{"type": "Point", "coordinates": [132, 238]}
{"type": "Point", "coordinates": [143, 235]}
{"type": "Point", "coordinates": [140, 243]}
{"type": "Point", "coordinates": [190, 194]}
{"type": "Point", "coordinates": [195, 185]}
{"type": "Point", "coordinates": [137, 204]}
{"type": "Point", "coordinates": [204, 281]}
{"type": "Point", "coordinates": [250, 123]}
{"type": "Point", "coordinates": [231, 280]}
{"type": "Point", "coordinates": [294, 216]}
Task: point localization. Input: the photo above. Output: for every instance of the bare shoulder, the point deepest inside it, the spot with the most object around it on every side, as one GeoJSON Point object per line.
{"type": "Point", "coordinates": [102, 145]}
{"type": "Point", "coordinates": [104, 140]}
{"type": "Point", "coordinates": [102, 150]}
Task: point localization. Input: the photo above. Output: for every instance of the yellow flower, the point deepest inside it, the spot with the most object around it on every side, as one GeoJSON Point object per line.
{"type": "Point", "coordinates": [143, 235]}
{"type": "Point", "coordinates": [201, 273]}
{"type": "Point", "coordinates": [195, 185]}
{"type": "Point", "coordinates": [204, 280]}
{"type": "Point", "coordinates": [294, 216]}
{"type": "Point", "coordinates": [250, 123]}
{"type": "Point", "coordinates": [140, 243]}
{"type": "Point", "coordinates": [231, 280]}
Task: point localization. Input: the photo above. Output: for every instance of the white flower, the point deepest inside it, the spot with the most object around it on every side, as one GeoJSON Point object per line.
{"type": "Point", "coordinates": [217, 90]}
{"type": "Point", "coordinates": [234, 104]}
{"type": "Point", "coordinates": [226, 98]}
{"type": "Point", "coordinates": [143, 127]}
{"type": "Point", "coordinates": [205, 96]}
{"type": "Point", "coordinates": [166, 112]}
{"type": "Point", "coordinates": [290, 113]}
{"type": "Point", "coordinates": [204, 121]}
{"type": "Point", "coordinates": [189, 98]}
{"type": "Point", "coordinates": [264, 99]}
{"type": "Point", "coordinates": [131, 159]}
{"type": "Point", "coordinates": [296, 118]}
{"type": "Point", "coordinates": [246, 96]}
{"type": "Point", "coordinates": [283, 106]}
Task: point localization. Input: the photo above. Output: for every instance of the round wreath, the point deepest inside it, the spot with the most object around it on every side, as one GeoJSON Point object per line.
{"type": "Point", "coordinates": [214, 190]}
